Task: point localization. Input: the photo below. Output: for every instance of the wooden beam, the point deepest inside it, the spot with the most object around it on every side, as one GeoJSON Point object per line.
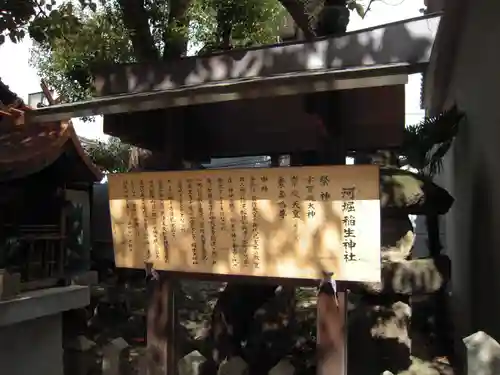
{"type": "Point", "coordinates": [331, 332]}
{"type": "Point", "coordinates": [234, 89]}
{"type": "Point", "coordinates": [406, 42]}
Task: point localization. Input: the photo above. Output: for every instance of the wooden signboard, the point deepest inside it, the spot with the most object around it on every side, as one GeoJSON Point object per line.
{"type": "Point", "coordinates": [295, 222]}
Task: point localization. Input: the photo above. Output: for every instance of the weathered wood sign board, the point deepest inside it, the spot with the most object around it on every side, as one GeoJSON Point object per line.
{"type": "Point", "coordinates": [276, 222]}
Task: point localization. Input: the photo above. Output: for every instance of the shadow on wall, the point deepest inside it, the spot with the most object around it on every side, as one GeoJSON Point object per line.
{"type": "Point", "coordinates": [483, 254]}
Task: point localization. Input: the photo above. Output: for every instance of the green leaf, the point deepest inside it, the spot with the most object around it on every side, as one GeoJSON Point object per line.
{"type": "Point", "coordinates": [360, 10]}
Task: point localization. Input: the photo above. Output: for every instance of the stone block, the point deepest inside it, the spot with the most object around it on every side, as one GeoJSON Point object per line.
{"type": "Point", "coordinates": [190, 363]}
{"type": "Point", "coordinates": [409, 277]}
{"type": "Point", "coordinates": [111, 355]}
{"type": "Point", "coordinates": [483, 354]}
{"type": "Point", "coordinates": [379, 334]}
{"type": "Point", "coordinates": [80, 344]}
{"type": "Point", "coordinates": [397, 238]}
{"type": "Point", "coordinates": [284, 367]}
{"type": "Point", "coordinates": [10, 284]}
{"type": "Point", "coordinates": [235, 366]}
{"type": "Point", "coordinates": [85, 278]}
{"type": "Point", "coordinates": [142, 365]}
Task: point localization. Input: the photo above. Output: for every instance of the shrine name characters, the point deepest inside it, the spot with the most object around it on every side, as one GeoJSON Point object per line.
{"type": "Point", "coordinates": [349, 223]}
{"type": "Point", "coordinates": [212, 201]}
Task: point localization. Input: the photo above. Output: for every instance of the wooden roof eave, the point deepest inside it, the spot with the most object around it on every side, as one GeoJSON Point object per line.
{"type": "Point", "coordinates": [92, 168]}
{"type": "Point", "coordinates": [293, 84]}
{"type": "Point", "coordinates": [21, 165]}
{"type": "Point", "coordinates": [364, 58]}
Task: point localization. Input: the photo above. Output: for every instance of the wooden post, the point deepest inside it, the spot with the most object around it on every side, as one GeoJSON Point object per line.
{"type": "Point", "coordinates": [161, 325]}
{"type": "Point", "coordinates": [331, 310]}
{"type": "Point", "coordinates": [331, 333]}
{"type": "Point", "coordinates": [162, 311]}
{"type": "Point", "coordinates": [275, 160]}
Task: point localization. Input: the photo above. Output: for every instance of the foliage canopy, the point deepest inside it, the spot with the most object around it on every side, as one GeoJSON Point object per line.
{"type": "Point", "coordinates": [73, 36]}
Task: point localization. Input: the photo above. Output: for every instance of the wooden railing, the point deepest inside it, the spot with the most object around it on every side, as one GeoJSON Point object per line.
{"type": "Point", "coordinates": [41, 255]}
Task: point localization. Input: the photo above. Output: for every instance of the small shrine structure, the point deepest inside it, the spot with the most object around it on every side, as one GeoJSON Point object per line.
{"type": "Point", "coordinates": [318, 102]}
{"type": "Point", "coordinates": [45, 183]}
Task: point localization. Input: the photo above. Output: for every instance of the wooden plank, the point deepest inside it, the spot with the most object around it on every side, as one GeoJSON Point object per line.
{"type": "Point", "coordinates": [275, 222]}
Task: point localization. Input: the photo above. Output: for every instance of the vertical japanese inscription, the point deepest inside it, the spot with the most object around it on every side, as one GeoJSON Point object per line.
{"type": "Point", "coordinates": [281, 196]}
{"type": "Point", "coordinates": [182, 216]}
{"type": "Point", "coordinates": [154, 217]}
{"type": "Point", "coordinates": [311, 208]}
{"type": "Point", "coordinates": [163, 223]}
{"type": "Point", "coordinates": [255, 225]}
{"type": "Point", "coordinates": [263, 187]}
{"type": "Point", "coordinates": [296, 209]}
{"type": "Point", "coordinates": [232, 221]}
{"type": "Point", "coordinates": [194, 249]}
{"type": "Point", "coordinates": [324, 182]}
{"type": "Point", "coordinates": [244, 222]}
{"type": "Point", "coordinates": [349, 222]}
{"type": "Point", "coordinates": [133, 212]}
{"type": "Point", "coordinates": [130, 223]}
{"type": "Point", "coordinates": [171, 216]}
{"type": "Point", "coordinates": [222, 216]}
{"type": "Point", "coordinates": [211, 217]}
{"type": "Point", "coordinates": [201, 218]}
{"type": "Point", "coordinates": [145, 237]}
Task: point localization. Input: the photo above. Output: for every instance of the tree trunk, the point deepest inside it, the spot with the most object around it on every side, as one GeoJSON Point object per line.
{"type": "Point", "coordinates": [298, 11]}
{"type": "Point", "coordinates": [176, 35]}
{"type": "Point", "coordinates": [318, 17]}
{"type": "Point", "coordinates": [136, 20]}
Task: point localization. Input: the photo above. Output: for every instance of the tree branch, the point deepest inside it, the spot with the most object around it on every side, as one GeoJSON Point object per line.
{"type": "Point", "coordinates": [175, 38]}
{"type": "Point", "coordinates": [135, 19]}
{"type": "Point", "coordinates": [298, 11]}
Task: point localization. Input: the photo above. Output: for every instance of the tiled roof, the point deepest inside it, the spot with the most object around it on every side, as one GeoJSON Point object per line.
{"type": "Point", "coordinates": [27, 148]}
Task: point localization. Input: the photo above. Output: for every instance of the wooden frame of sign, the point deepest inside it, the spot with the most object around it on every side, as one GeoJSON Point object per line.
{"type": "Point", "coordinates": [193, 221]}
{"type": "Point", "coordinates": [297, 222]}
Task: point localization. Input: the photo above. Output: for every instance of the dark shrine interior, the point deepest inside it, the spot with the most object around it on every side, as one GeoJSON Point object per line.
{"type": "Point", "coordinates": [368, 119]}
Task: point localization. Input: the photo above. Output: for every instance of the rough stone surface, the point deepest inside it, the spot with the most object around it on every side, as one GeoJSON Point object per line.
{"type": "Point", "coordinates": [80, 343]}
{"type": "Point", "coordinates": [10, 284]}
{"type": "Point", "coordinates": [483, 354]}
{"type": "Point", "coordinates": [190, 363]}
{"type": "Point", "coordinates": [284, 367]}
{"type": "Point", "coordinates": [235, 366]}
{"type": "Point", "coordinates": [111, 355]}
{"type": "Point", "coordinates": [85, 278]}
{"type": "Point", "coordinates": [397, 238]}
{"type": "Point", "coordinates": [379, 334]}
{"type": "Point", "coordinates": [410, 277]}
{"type": "Point", "coordinates": [404, 192]}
